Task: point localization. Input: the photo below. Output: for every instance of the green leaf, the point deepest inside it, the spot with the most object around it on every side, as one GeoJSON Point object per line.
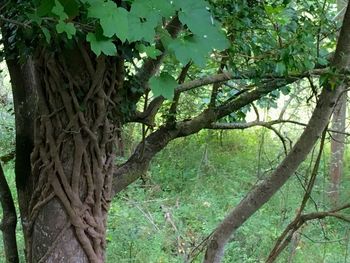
{"type": "Point", "coordinates": [67, 28]}
{"type": "Point", "coordinates": [47, 34]}
{"type": "Point", "coordinates": [214, 38]}
{"type": "Point", "coordinates": [164, 36]}
{"type": "Point", "coordinates": [285, 90]}
{"type": "Point", "coordinates": [58, 10]}
{"type": "Point", "coordinates": [113, 19]}
{"type": "Point", "coordinates": [35, 18]}
{"type": "Point", "coordinates": [151, 8]}
{"type": "Point", "coordinates": [280, 68]}
{"type": "Point", "coordinates": [71, 7]}
{"type": "Point", "coordinates": [101, 45]}
{"type": "Point", "coordinates": [197, 48]}
{"type": "Point", "coordinates": [197, 20]}
{"type": "Point", "coordinates": [322, 61]}
{"type": "Point", "coordinates": [45, 7]}
{"type": "Point", "coordinates": [323, 79]}
{"type": "Point", "coordinates": [309, 64]}
{"type": "Point", "coordinates": [151, 51]}
{"type": "Point", "coordinates": [163, 85]}
{"type": "Point", "coordinates": [189, 5]}
{"type": "Point", "coordinates": [141, 30]}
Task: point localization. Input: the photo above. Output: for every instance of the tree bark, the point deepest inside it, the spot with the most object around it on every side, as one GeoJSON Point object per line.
{"type": "Point", "coordinates": [23, 89]}
{"type": "Point", "coordinates": [337, 149]}
{"type": "Point", "coordinates": [9, 220]}
{"type": "Point", "coordinates": [265, 190]}
{"type": "Point", "coordinates": [338, 139]}
{"type": "Point", "coordinates": [73, 157]}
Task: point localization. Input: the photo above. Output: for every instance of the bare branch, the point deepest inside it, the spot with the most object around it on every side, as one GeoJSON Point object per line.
{"type": "Point", "coordinates": [173, 108]}
{"type": "Point", "coordinates": [217, 78]}
{"type": "Point", "coordinates": [246, 125]}
{"type": "Point", "coordinates": [288, 233]}
{"type": "Point", "coordinates": [14, 22]}
{"type": "Point", "coordinates": [216, 86]}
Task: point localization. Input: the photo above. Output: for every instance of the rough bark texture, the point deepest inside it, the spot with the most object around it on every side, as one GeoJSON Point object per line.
{"type": "Point", "coordinates": [9, 220]}
{"type": "Point", "coordinates": [264, 191]}
{"type": "Point", "coordinates": [73, 156]}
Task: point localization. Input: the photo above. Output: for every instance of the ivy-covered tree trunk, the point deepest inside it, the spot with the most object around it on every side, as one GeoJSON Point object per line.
{"type": "Point", "coordinates": [73, 156]}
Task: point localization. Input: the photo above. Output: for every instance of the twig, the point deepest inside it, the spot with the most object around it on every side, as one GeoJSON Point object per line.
{"type": "Point", "coordinates": [11, 21]}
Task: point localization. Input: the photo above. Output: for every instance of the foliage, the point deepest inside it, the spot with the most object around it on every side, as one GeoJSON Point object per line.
{"type": "Point", "coordinates": [121, 28]}
{"type": "Point", "coordinates": [200, 189]}
{"type": "Point", "coordinates": [7, 125]}
{"type": "Point", "coordinates": [182, 200]}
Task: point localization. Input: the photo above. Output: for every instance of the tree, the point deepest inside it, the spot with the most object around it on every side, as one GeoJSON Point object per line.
{"type": "Point", "coordinates": [81, 70]}
{"type": "Point", "coordinates": [318, 123]}
{"type": "Point", "coordinates": [338, 139]}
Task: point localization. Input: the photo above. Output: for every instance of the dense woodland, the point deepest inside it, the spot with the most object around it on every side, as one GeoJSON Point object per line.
{"type": "Point", "coordinates": [174, 131]}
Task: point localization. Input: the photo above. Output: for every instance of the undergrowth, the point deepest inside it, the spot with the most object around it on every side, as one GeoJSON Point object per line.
{"type": "Point", "coordinates": [195, 182]}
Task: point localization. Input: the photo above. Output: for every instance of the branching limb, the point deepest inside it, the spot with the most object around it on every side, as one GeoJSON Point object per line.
{"type": "Point", "coordinates": [156, 141]}
{"type": "Point", "coordinates": [173, 108]}
{"type": "Point", "coordinates": [217, 85]}
{"type": "Point", "coordinates": [298, 221]}
{"type": "Point", "coordinates": [147, 117]}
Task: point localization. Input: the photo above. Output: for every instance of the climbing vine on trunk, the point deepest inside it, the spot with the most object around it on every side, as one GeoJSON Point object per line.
{"type": "Point", "coordinates": [73, 156]}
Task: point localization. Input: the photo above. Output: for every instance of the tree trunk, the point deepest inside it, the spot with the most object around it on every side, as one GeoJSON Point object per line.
{"type": "Point", "coordinates": [338, 139]}
{"type": "Point", "coordinates": [265, 190]}
{"type": "Point", "coordinates": [73, 156]}
{"type": "Point", "coordinates": [337, 149]}
{"type": "Point", "coordinates": [9, 220]}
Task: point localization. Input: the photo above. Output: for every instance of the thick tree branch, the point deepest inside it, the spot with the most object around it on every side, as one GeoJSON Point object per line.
{"type": "Point", "coordinates": [272, 81]}
{"type": "Point", "coordinates": [155, 142]}
{"type": "Point", "coordinates": [225, 76]}
{"type": "Point", "coordinates": [9, 220]}
{"type": "Point", "coordinates": [147, 117]}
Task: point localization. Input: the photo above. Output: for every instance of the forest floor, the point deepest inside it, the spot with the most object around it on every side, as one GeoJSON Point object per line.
{"type": "Point", "coordinates": [193, 184]}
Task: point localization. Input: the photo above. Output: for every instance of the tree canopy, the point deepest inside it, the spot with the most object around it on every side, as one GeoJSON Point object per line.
{"type": "Point", "coordinates": [81, 70]}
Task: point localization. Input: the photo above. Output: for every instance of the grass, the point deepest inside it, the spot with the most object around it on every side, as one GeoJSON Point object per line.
{"type": "Point", "coordinates": [195, 182]}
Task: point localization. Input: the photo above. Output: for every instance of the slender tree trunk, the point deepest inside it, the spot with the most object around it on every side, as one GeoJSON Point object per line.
{"type": "Point", "coordinates": [338, 139]}
{"type": "Point", "coordinates": [23, 87]}
{"type": "Point", "coordinates": [337, 149]}
{"type": "Point", "coordinates": [9, 220]}
{"type": "Point", "coordinates": [264, 191]}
